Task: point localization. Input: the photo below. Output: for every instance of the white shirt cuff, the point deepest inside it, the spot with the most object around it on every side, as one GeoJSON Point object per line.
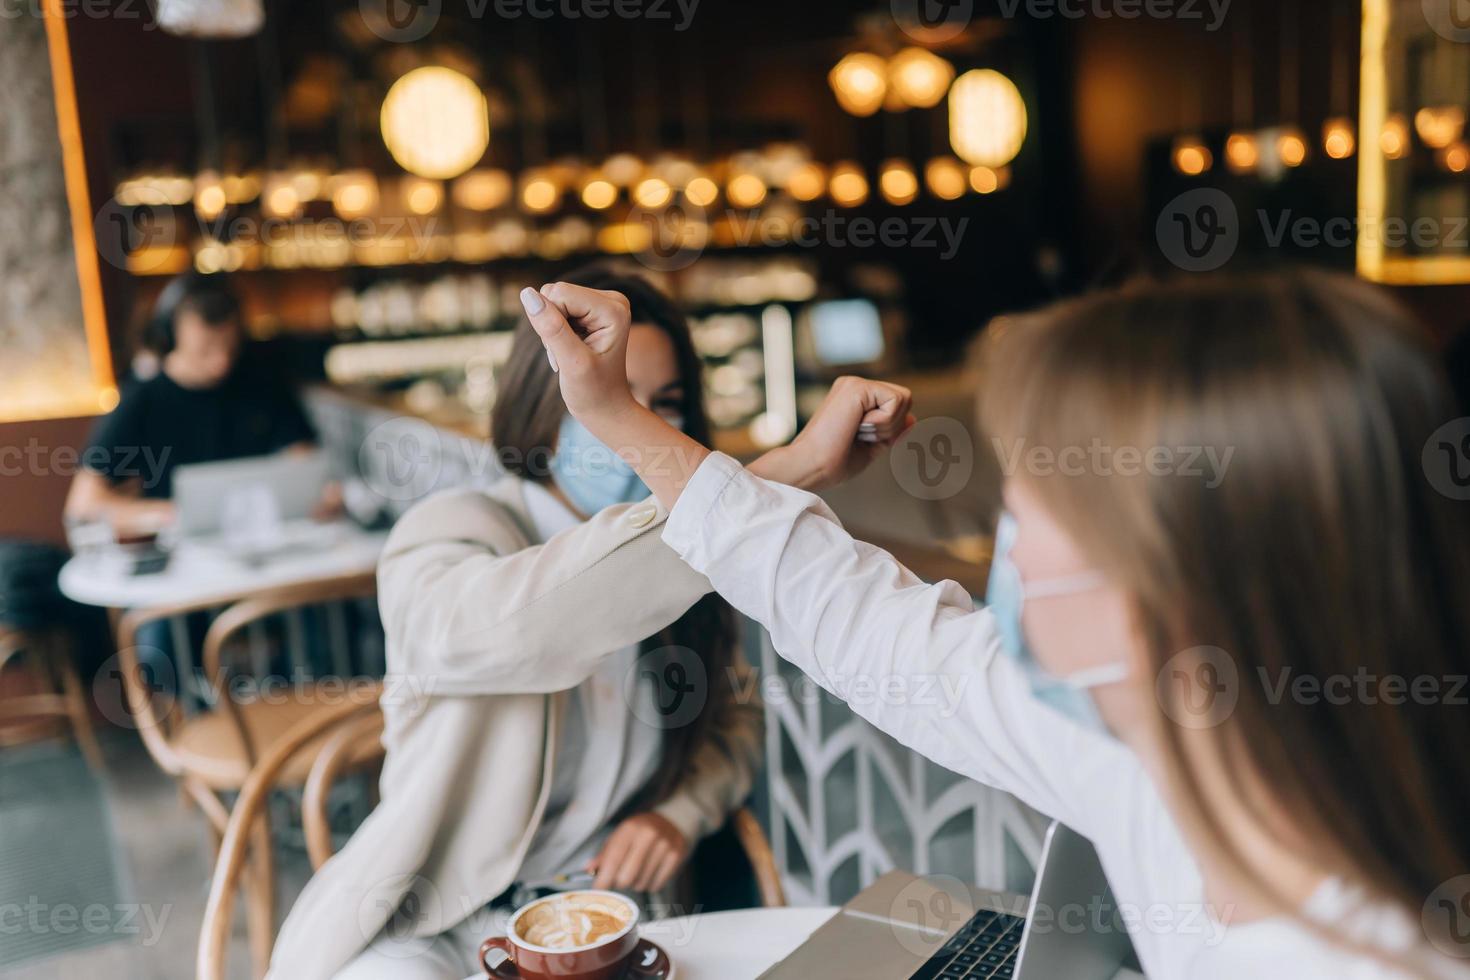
{"type": "Point", "coordinates": [687, 529]}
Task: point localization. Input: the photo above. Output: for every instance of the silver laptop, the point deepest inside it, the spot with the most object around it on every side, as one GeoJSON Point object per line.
{"type": "Point", "coordinates": [904, 927]}
{"type": "Point", "coordinates": [278, 490]}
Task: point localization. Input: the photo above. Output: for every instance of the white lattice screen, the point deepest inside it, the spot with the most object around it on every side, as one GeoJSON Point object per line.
{"type": "Point", "coordinates": [846, 803]}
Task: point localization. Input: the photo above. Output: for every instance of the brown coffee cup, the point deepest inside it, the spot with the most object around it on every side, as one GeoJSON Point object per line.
{"type": "Point", "coordinates": [619, 955]}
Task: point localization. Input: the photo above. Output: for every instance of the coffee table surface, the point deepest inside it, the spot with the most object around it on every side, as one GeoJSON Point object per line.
{"type": "Point", "coordinates": [740, 945]}
{"type": "Point", "coordinates": [736, 945]}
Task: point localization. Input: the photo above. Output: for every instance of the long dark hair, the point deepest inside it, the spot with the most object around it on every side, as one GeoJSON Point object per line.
{"type": "Point", "coordinates": [1329, 548]}
{"type": "Point", "coordinates": [528, 413]}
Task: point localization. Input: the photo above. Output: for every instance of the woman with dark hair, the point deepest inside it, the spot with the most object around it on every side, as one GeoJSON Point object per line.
{"type": "Point", "coordinates": [573, 701]}
{"type": "Point", "coordinates": [1243, 682]}
{"type": "Point", "coordinates": [203, 405]}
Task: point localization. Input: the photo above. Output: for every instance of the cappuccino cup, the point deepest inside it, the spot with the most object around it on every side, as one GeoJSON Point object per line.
{"type": "Point", "coordinates": [579, 935]}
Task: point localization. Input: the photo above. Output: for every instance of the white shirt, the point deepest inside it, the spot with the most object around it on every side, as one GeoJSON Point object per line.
{"type": "Point", "coordinates": [605, 755]}
{"type": "Point", "coordinates": [922, 663]}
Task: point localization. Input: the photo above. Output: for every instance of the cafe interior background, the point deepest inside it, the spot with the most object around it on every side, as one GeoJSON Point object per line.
{"type": "Point", "coordinates": [826, 187]}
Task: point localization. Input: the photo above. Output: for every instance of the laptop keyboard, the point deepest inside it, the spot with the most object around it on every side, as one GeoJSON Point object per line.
{"type": "Point", "coordinates": [986, 946]}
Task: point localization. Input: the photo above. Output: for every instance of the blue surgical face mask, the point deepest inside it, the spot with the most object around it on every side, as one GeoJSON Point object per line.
{"type": "Point", "coordinates": [1006, 596]}
{"type": "Point", "coordinates": [590, 474]}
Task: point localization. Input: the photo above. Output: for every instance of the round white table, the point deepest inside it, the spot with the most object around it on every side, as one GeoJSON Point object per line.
{"type": "Point", "coordinates": [199, 571]}
{"type": "Point", "coordinates": [742, 944]}
{"type": "Point", "coordinates": [736, 945]}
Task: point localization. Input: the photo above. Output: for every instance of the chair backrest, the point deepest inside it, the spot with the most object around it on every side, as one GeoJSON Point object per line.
{"type": "Point", "coordinates": [155, 716]}
{"type": "Point", "coordinates": [249, 806]}
{"type": "Point", "coordinates": [241, 616]}
{"type": "Point", "coordinates": [343, 746]}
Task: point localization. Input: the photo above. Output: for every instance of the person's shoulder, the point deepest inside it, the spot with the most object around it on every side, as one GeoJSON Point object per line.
{"type": "Point", "coordinates": [462, 513]}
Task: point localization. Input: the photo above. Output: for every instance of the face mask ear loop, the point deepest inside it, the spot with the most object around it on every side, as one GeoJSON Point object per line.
{"type": "Point", "coordinates": [1097, 676]}
{"type": "Point", "coordinates": [1063, 585]}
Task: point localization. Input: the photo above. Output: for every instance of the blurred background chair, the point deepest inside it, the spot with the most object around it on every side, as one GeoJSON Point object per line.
{"type": "Point", "coordinates": [60, 704]}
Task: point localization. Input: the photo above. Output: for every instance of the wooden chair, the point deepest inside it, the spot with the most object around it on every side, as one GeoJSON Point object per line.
{"type": "Point", "coordinates": [241, 833]}
{"type": "Point", "coordinates": [27, 717]}
{"type": "Point", "coordinates": [353, 736]}
{"type": "Point", "coordinates": [213, 752]}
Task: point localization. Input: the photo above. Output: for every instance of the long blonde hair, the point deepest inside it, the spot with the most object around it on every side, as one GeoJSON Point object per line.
{"type": "Point", "coordinates": [1323, 548]}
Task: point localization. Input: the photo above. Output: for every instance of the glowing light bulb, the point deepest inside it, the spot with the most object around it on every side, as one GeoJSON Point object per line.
{"type": "Point", "coordinates": [209, 195]}
{"type": "Point", "coordinates": [482, 190]}
{"type": "Point", "coordinates": [848, 186]}
{"type": "Point", "coordinates": [354, 193]}
{"type": "Point", "coordinates": [1291, 147]}
{"type": "Point", "coordinates": [1455, 157]}
{"type": "Point", "coordinates": [1439, 126]}
{"type": "Point", "coordinates": [987, 118]}
{"type": "Point", "coordinates": [919, 77]}
{"type": "Point", "coordinates": [898, 183]}
{"type": "Point", "coordinates": [599, 193]}
{"type": "Point", "coordinates": [745, 190]}
{"type": "Point", "coordinates": [539, 192]}
{"type": "Point", "coordinates": [701, 192]}
{"type": "Point", "coordinates": [860, 82]}
{"type": "Point", "coordinates": [652, 192]}
{"type": "Point", "coordinates": [807, 182]}
{"type": "Point", "coordinates": [1242, 152]}
{"type": "Point", "coordinates": [279, 199]}
{"type": "Point", "coordinates": [984, 180]}
{"type": "Point", "coordinates": [1191, 156]}
{"type": "Point", "coordinates": [435, 122]}
{"type": "Point", "coordinates": [422, 196]}
{"type": "Point", "coordinates": [946, 178]}
{"type": "Point", "coordinates": [1338, 139]}
{"type": "Point", "coordinates": [1394, 139]}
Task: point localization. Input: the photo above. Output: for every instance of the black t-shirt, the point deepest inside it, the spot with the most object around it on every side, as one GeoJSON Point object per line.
{"type": "Point", "coordinates": [158, 425]}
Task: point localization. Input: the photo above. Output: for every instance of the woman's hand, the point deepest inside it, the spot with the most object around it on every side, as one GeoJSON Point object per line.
{"type": "Point", "coordinates": [585, 332]}
{"type": "Point", "coordinates": [857, 421]}
{"type": "Point", "coordinates": [642, 854]}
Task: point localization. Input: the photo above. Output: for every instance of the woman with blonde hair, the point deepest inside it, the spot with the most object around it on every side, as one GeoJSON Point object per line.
{"type": "Point", "coordinates": [1248, 691]}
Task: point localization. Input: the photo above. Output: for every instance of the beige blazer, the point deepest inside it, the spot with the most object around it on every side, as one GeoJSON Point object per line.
{"type": "Point", "coordinates": [485, 633]}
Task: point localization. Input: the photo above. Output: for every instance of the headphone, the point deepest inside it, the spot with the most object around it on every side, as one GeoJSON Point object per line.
{"type": "Point", "coordinates": [212, 289]}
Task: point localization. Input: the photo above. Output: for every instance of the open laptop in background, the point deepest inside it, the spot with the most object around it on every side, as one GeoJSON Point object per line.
{"type": "Point", "coordinates": [904, 927]}
{"type": "Point", "coordinates": [255, 507]}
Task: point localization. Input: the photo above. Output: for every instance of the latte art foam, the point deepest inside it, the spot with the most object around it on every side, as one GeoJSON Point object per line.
{"type": "Point", "coordinates": [573, 920]}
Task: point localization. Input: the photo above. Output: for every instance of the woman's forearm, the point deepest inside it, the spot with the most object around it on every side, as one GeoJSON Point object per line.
{"type": "Point", "coordinates": [664, 457]}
